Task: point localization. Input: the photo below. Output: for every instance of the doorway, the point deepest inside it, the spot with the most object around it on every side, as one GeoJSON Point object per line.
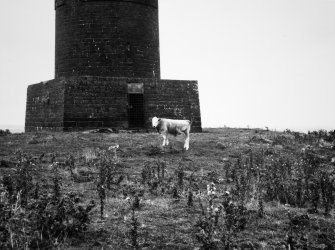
{"type": "Point", "coordinates": [136, 110]}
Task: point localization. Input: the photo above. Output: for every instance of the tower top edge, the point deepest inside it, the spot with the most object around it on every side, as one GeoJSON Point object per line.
{"type": "Point", "coordinates": [151, 3]}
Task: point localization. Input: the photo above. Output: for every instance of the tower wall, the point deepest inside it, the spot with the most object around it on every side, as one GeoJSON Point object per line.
{"type": "Point", "coordinates": [45, 106]}
{"type": "Point", "coordinates": [114, 38]}
{"type": "Point", "coordinates": [79, 103]}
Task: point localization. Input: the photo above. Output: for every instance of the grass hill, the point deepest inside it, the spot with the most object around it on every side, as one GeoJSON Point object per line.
{"type": "Point", "coordinates": [233, 189]}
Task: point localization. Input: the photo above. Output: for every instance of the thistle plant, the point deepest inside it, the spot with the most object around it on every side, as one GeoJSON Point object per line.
{"type": "Point", "coordinates": [9, 186]}
{"type": "Point", "coordinates": [56, 188]}
{"type": "Point", "coordinates": [53, 158]}
{"type": "Point", "coordinates": [161, 169]}
{"type": "Point", "coordinates": [190, 198]}
{"type": "Point", "coordinates": [106, 163]}
{"type": "Point", "coordinates": [133, 232]}
{"type": "Point", "coordinates": [297, 229]}
{"type": "Point", "coordinates": [211, 192]}
{"type": "Point", "coordinates": [56, 182]}
{"type": "Point", "coordinates": [113, 149]}
{"type": "Point", "coordinates": [219, 224]}
{"type": "Point", "coordinates": [180, 176]}
{"type": "Point", "coordinates": [175, 194]}
{"type": "Point", "coordinates": [146, 174]}
{"type": "Point", "coordinates": [136, 202]}
{"type": "Point", "coordinates": [102, 196]}
{"type": "Point", "coordinates": [24, 179]}
{"type": "Point", "coordinates": [37, 190]}
{"type": "Point", "coordinates": [260, 207]}
{"type": "Point", "coordinates": [208, 222]}
{"type": "Point", "coordinates": [154, 175]}
{"type": "Point", "coordinates": [327, 185]}
{"type": "Point", "coordinates": [70, 163]}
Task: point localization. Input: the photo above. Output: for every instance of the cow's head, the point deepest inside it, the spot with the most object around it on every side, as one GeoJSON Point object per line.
{"type": "Point", "coordinates": [155, 121]}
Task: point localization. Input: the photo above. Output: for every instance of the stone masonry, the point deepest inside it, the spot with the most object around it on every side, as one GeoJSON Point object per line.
{"type": "Point", "coordinates": [107, 38]}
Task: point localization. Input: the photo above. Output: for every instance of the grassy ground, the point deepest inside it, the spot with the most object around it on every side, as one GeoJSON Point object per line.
{"type": "Point", "coordinates": [166, 218]}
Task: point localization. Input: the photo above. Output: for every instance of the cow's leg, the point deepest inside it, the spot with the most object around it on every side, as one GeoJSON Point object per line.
{"type": "Point", "coordinates": [167, 140]}
{"type": "Point", "coordinates": [164, 141]}
{"type": "Point", "coordinates": [187, 141]}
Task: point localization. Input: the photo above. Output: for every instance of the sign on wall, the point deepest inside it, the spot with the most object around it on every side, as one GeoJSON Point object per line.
{"type": "Point", "coordinates": [135, 88]}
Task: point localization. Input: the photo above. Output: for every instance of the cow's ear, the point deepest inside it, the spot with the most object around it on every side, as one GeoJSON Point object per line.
{"type": "Point", "coordinates": [159, 119]}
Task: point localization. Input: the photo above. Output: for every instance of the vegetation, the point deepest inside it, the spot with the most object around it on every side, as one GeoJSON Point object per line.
{"type": "Point", "coordinates": [4, 132]}
{"type": "Point", "coordinates": [234, 189]}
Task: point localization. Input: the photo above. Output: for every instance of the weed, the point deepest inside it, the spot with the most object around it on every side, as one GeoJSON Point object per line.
{"type": "Point", "coordinates": [220, 223]}
{"type": "Point", "coordinates": [102, 196]}
{"type": "Point", "coordinates": [106, 162]}
{"type": "Point", "coordinates": [154, 150]}
{"type": "Point", "coordinates": [136, 202]}
{"type": "Point", "coordinates": [36, 191]}
{"type": "Point", "coordinates": [133, 232]}
{"type": "Point", "coordinates": [40, 223]}
{"type": "Point", "coordinates": [70, 163]}
{"type": "Point", "coordinates": [260, 207]}
{"type": "Point", "coordinates": [296, 237]}
{"type": "Point", "coordinates": [180, 175]}
{"type": "Point", "coordinates": [327, 185]}
{"type": "Point", "coordinates": [175, 194]}
{"type": "Point", "coordinates": [4, 132]}
{"type": "Point", "coordinates": [8, 184]}
{"type": "Point", "coordinates": [154, 175]}
{"type": "Point", "coordinates": [208, 223]}
{"type": "Point", "coordinates": [190, 198]}
{"type": "Point", "coordinates": [56, 183]}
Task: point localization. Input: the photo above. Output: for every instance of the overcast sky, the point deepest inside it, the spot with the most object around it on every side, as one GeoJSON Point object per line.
{"type": "Point", "coordinates": [258, 62]}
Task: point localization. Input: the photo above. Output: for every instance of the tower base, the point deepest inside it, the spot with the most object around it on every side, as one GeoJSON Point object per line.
{"type": "Point", "coordinates": [81, 103]}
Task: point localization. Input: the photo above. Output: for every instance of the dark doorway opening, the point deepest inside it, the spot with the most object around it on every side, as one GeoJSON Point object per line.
{"type": "Point", "coordinates": [136, 110]}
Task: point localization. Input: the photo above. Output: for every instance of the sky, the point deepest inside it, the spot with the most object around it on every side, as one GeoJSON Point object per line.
{"type": "Point", "coordinates": [258, 63]}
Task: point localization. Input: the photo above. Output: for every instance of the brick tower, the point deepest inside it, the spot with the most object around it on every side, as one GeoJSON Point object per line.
{"type": "Point", "coordinates": [107, 71]}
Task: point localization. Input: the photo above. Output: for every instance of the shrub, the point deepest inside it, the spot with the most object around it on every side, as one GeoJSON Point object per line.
{"type": "Point", "coordinates": [4, 132]}
{"type": "Point", "coordinates": [154, 175]}
{"type": "Point", "coordinates": [42, 223]}
{"type": "Point", "coordinates": [218, 226]}
{"type": "Point", "coordinates": [31, 218]}
{"type": "Point", "coordinates": [296, 237]}
{"type": "Point", "coordinates": [327, 186]}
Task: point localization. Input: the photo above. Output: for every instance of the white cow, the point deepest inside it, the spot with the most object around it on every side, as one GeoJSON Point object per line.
{"type": "Point", "coordinates": [173, 127]}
